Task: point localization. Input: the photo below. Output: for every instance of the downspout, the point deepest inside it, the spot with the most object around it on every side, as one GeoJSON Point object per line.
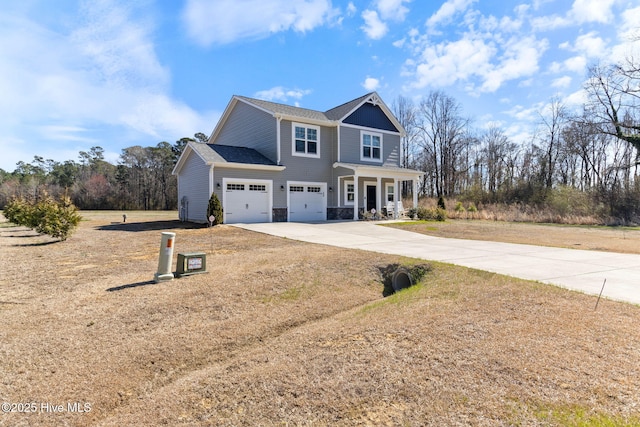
{"type": "Point", "coordinates": [355, 195]}
{"type": "Point", "coordinates": [278, 148]}
{"type": "Point", "coordinates": [211, 186]}
{"type": "Point", "coordinates": [338, 142]}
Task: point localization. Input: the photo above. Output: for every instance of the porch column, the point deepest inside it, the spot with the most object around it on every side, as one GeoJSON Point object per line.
{"type": "Point", "coordinates": [396, 198]}
{"type": "Point", "coordinates": [355, 197]}
{"type": "Point", "coordinates": [415, 191]}
{"type": "Point", "coordinates": [379, 195]}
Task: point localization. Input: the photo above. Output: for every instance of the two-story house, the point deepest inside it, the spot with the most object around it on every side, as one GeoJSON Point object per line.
{"type": "Point", "coordinates": [272, 162]}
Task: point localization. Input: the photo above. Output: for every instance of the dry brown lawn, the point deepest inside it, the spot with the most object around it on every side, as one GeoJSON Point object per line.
{"type": "Point", "coordinates": [611, 239]}
{"type": "Point", "coordinates": [281, 332]}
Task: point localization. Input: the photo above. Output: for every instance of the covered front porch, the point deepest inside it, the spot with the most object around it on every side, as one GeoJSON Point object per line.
{"type": "Point", "coordinates": [365, 188]}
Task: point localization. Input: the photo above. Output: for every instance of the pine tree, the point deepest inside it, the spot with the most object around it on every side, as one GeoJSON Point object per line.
{"type": "Point", "coordinates": [214, 208]}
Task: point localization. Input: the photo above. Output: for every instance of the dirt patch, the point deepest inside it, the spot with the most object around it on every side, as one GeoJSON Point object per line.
{"type": "Point", "coordinates": [610, 239]}
{"type": "Point", "coordinates": [281, 331]}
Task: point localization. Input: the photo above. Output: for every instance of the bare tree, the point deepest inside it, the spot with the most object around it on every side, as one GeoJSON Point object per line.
{"type": "Point", "coordinates": [443, 137]}
{"type": "Point", "coordinates": [495, 157]}
{"type": "Point", "coordinates": [613, 102]}
{"type": "Point", "coordinates": [405, 111]}
{"type": "Point", "coordinates": [552, 121]}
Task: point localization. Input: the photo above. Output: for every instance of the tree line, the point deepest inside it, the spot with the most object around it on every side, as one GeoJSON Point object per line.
{"type": "Point", "coordinates": [583, 163]}
{"type": "Point", "coordinates": [141, 179]}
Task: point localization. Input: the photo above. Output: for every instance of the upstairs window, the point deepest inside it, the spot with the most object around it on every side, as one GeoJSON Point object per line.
{"type": "Point", "coordinates": [306, 140]}
{"type": "Point", "coordinates": [371, 146]}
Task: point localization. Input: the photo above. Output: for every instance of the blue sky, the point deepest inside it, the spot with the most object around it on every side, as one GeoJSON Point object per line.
{"type": "Point", "coordinates": [117, 73]}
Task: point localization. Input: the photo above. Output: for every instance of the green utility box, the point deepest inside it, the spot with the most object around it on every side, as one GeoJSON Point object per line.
{"type": "Point", "coordinates": [191, 263]}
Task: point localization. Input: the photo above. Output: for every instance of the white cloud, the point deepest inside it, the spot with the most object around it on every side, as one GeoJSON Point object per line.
{"type": "Point", "coordinates": [475, 58]}
{"type": "Point", "coordinates": [520, 59]}
{"type": "Point", "coordinates": [399, 43]}
{"type": "Point", "coordinates": [73, 89]}
{"type": "Point", "coordinates": [592, 45]}
{"type": "Point", "coordinates": [576, 100]}
{"type": "Point", "coordinates": [583, 11]}
{"type": "Point", "coordinates": [448, 10]}
{"type": "Point", "coordinates": [373, 27]}
{"type": "Point", "coordinates": [548, 23]}
{"type": "Point", "coordinates": [371, 84]}
{"type": "Point", "coordinates": [351, 9]}
{"type": "Point", "coordinates": [392, 9]}
{"type": "Point", "coordinates": [630, 27]}
{"type": "Point", "coordinates": [561, 82]}
{"type": "Point", "coordinates": [225, 21]}
{"type": "Point", "coordinates": [444, 64]}
{"type": "Point", "coordinates": [587, 46]}
{"type": "Point", "coordinates": [577, 64]}
{"type": "Point", "coordinates": [281, 94]}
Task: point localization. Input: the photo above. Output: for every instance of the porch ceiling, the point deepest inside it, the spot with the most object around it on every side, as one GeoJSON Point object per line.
{"type": "Point", "coordinates": [380, 171]}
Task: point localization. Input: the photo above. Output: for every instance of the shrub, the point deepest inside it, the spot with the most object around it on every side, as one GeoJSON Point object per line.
{"type": "Point", "coordinates": [441, 204]}
{"type": "Point", "coordinates": [214, 208]}
{"type": "Point", "coordinates": [459, 208]}
{"type": "Point", "coordinates": [57, 219]}
{"type": "Point", "coordinates": [472, 208]}
{"type": "Point", "coordinates": [19, 212]}
{"type": "Point", "coordinates": [431, 214]}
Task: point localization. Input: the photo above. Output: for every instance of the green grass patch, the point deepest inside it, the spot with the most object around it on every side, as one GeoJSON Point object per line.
{"type": "Point", "coordinates": [578, 416]}
{"type": "Point", "coordinates": [290, 294]}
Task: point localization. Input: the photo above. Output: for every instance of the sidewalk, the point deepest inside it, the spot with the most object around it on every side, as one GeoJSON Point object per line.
{"type": "Point", "coordinates": [579, 270]}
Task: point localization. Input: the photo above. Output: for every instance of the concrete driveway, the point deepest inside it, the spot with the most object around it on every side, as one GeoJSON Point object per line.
{"type": "Point", "coordinates": [579, 270]}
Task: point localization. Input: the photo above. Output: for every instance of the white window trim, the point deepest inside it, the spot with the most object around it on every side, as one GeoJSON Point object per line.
{"type": "Point", "coordinates": [346, 193]}
{"type": "Point", "coordinates": [386, 192]}
{"type": "Point", "coordinates": [293, 140]}
{"type": "Point", "coordinates": [371, 159]}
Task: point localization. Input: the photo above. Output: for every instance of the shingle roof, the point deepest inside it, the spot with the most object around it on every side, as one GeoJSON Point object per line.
{"type": "Point", "coordinates": [215, 153]}
{"type": "Point", "coordinates": [286, 109]}
{"type": "Point", "coordinates": [340, 111]}
{"type": "Point", "coordinates": [336, 113]}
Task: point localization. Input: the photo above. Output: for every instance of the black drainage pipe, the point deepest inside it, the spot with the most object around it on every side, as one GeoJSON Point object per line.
{"type": "Point", "coordinates": [401, 279]}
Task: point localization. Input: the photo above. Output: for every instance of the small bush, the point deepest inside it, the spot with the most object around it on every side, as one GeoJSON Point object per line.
{"type": "Point", "coordinates": [441, 204]}
{"type": "Point", "coordinates": [57, 219]}
{"type": "Point", "coordinates": [214, 208]}
{"type": "Point", "coordinates": [431, 214]}
{"type": "Point", "coordinates": [19, 211]}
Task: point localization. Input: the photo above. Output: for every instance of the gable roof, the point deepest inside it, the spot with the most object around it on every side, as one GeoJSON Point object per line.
{"type": "Point", "coordinates": [332, 117]}
{"type": "Point", "coordinates": [285, 110]}
{"type": "Point", "coordinates": [342, 111]}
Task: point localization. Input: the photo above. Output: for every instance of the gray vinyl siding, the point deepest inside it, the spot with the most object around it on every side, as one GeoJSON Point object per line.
{"type": "Point", "coordinates": [250, 127]}
{"type": "Point", "coordinates": [350, 147]}
{"type": "Point", "coordinates": [305, 168]}
{"type": "Point", "coordinates": [193, 182]}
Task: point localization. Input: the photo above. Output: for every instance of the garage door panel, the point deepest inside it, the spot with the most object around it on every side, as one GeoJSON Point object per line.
{"type": "Point", "coordinates": [247, 202]}
{"type": "Point", "coordinates": [307, 203]}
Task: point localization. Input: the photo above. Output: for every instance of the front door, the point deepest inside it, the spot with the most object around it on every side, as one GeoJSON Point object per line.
{"type": "Point", "coordinates": [371, 197]}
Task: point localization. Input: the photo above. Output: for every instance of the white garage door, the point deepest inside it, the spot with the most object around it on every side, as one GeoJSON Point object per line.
{"type": "Point", "coordinates": [307, 202]}
{"type": "Point", "coordinates": [246, 201]}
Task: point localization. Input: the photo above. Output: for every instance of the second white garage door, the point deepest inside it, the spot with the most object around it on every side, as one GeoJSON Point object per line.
{"type": "Point", "coordinates": [307, 201]}
{"type": "Point", "coordinates": [247, 201]}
